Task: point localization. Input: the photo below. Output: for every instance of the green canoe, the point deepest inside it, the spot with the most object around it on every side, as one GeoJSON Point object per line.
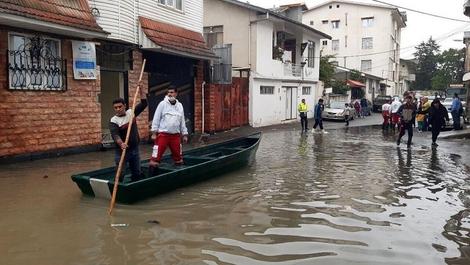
{"type": "Point", "coordinates": [199, 164]}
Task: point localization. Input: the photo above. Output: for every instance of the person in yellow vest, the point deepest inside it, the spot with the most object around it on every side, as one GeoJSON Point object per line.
{"type": "Point", "coordinates": [303, 109]}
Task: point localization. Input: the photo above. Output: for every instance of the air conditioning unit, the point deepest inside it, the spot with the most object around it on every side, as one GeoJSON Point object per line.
{"type": "Point", "coordinates": [466, 8]}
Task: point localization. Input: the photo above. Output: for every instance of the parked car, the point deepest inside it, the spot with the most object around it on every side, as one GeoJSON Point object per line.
{"type": "Point", "coordinates": [379, 101]}
{"type": "Point", "coordinates": [448, 104]}
{"type": "Point", "coordinates": [335, 111]}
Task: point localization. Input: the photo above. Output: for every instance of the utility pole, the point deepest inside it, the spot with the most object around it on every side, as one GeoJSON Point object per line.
{"type": "Point", "coordinates": [466, 40]}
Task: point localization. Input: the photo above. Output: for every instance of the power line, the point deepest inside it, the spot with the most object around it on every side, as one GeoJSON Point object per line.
{"type": "Point", "coordinates": [422, 12]}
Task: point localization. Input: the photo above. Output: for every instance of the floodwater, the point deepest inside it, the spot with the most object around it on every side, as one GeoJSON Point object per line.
{"type": "Point", "coordinates": [346, 197]}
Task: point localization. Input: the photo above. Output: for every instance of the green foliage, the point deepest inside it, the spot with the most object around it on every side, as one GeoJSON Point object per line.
{"type": "Point", "coordinates": [356, 75]}
{"type": "Point", "coordinates": [327, 70]}
{"type": "Point", "coordinates": [427, 56]}
{"type": "Point", "coordinates": [440, 80]}
{"type": "Point", "coordinates": [339, 87]}
{"type": "Point", "coordinates": [450, 68]}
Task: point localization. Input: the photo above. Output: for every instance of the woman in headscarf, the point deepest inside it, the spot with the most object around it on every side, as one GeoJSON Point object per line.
{"type": "Point", "coordinates": [437, 119]}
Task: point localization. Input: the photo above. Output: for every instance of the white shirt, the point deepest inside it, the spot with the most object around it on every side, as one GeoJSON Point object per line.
{"type": "Point", "coordinates": [386, 107]}
{"type": "Point", "coordinates": [395, 106]}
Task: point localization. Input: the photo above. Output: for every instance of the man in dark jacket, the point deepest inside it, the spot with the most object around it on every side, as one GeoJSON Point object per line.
{"type": "Point", "coordinates": [407, 114]}
{"type": "Point", "coordinates": [437, 119]}
{"type": "Point", "coordinates": [118, 128]}
{"type": "Point", "coordinates": [317, 115]}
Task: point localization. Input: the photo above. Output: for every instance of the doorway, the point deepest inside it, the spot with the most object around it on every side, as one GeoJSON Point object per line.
{"type": "Point", "coordinates": [112, 87]}
{"type": "Point", "coordinates": [291, 103]}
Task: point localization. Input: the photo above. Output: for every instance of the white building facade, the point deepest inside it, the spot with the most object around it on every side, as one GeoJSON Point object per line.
{"type": "Point", "coordinates": [281, 54]}
{"type": "Point", "coordinates": [365, 37]}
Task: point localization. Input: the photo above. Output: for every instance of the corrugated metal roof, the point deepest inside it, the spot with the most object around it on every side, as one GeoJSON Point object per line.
{"type": "Point", "coordinates": [75, 14]}
{"type": "Point", "coordinates": [175, 38]}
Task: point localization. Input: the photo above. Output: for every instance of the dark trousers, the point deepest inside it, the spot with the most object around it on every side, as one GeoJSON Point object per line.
{"type": "Point", "coordinates": [346, 119]}
{"type": "Point", "coordinates": [304, 121]}
{"type": "Point", "coordinates": [456, 119]}
{"type": "Point", "coordinates": [318, 122]}
{"type": "Point", "coordinates": [435, 130]}
{"type": "Point", "coordinates": [406, 126]}
{"type": "Point", "coordinates": [132, 160]}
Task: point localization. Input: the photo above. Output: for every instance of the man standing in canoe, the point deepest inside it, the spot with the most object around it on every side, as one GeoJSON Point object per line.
{"type": "Point", "coordinates": [168, 126]}
{"type": "Point", "coordinates": [118, 128]}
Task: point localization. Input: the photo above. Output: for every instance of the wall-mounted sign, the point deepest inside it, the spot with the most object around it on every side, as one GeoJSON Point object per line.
{"type": "Point", "coordinates": [328, 90]}
{"type": "Point", "coordinates": [84, 60]}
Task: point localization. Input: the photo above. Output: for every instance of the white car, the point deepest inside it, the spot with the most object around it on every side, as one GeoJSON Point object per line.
{"type": "Point", "coordinates": [335, 111]}
{"type": "Point", "coordinates": [448, 104]}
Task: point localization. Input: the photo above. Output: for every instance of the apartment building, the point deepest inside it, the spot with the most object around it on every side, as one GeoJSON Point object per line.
{"type": "Point", "coordinates": [365, 37]}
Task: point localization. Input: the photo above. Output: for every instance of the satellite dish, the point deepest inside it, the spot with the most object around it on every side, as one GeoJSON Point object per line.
{"type": "Point", "coordinates": [466, 77]}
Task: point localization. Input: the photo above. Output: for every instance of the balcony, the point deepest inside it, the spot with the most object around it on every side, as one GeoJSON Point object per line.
{"type": "Point", "coordinates": [291, 69]}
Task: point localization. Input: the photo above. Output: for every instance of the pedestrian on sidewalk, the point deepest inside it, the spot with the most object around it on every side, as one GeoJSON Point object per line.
{"type": "Point", "coordinates": [319, 107]}
{"type": "Point", "coordinates": [438, 116]}
{"type": "Point", "coordinates": [456, 110]}
{"type": "Point", "coordinates": [347, 113]}
{"type": "Point", "coordinates": [420, 116]}
{"type": "Point", "coordinates": [303, 109]}
{"type": "Point", "coordinates": [363, 107]}
{"type": "Point", "coordinates": [386, 114]}
{"type": "Point", "coordinates": [118, 127]}
{"type": "Point", "coordinates": [357, 108]}
{"type": "Point", "coordinates": [168, 126]}
{"type": "Point", "coordinates": [407, 114]}
{"type": "Point", "coordinates": [425, 110]}
{"type": "Point", "coordinates": [396, 104]}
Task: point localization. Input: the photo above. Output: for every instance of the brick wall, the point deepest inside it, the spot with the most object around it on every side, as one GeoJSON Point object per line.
{"type": "Point", "coordinates": [36, 121]}
{"type": "Point", "coordinates": [209, 103]}
{"type": "Point", "coordinates": [143, 118]}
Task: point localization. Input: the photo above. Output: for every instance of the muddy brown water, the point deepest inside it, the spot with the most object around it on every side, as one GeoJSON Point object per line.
{"type": "Point", "coordinates": [338, 198]}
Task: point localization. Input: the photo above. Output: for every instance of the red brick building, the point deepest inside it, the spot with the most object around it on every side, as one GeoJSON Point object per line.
{"type": "Point", "coordinates": [47, 112]}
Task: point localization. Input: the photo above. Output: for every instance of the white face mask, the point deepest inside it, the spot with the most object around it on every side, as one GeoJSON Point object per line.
{"type": "Point", "coordinates": [172, 100]}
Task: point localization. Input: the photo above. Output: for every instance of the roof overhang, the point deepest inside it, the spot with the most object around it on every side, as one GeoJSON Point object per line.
{"type": "Point", "coordinates": [170, 39]}
{"type": "Point", "coordinates": [340, 69]}
{"type": "Point", "coordinates": [49, 27]}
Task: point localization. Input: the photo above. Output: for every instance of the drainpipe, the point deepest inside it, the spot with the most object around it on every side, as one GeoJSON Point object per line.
{"type": "Point", "coordinates": [202, 93]}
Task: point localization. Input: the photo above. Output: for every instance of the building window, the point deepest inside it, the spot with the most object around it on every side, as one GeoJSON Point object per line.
{"type": "Point", "coordinates": [311, 22]}
{"type": "Point", "coordinates": [324, 43]}
{"type": "Point", "coordinates": [331, 7]}
{"type": "Point", "coordinates": [214, 35]}
{"type": "Point", "coordinates": [306, 90]}
{"type": "Point", "coordinates": [324, 21]}
{"type": "Point", "coordinates": [337, 6]}
{"type": "Point", "coordinates": [311, 54]}
{"type": "Point", "coordinates": [266, 90]}
{"type": "Point", "coordinates": [35, 63]}
{"type": "Point", "coordinates": [367, 22]}
{"type": "Point", "coordinates": [222, 68]}
{"type": "Point", "coordinates": [367, 43]}
{"type": "Point", "coordinates": [335, 24]}
{"type": "Point", "coordinates": [177, 4]}
{"type": "Point", "coordinates": [366, 65]}
{"type": "Point", "coordinates": [335, 45]}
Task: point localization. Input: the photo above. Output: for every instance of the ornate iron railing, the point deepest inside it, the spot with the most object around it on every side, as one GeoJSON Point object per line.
{"type": "Point", "coordinates": [37, 65]}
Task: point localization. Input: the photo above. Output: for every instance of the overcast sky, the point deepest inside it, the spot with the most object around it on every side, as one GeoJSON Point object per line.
{"type": "Point", "coordinates": [419, 27]}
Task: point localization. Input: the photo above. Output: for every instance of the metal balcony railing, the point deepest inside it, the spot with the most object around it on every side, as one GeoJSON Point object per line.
{"type": "Point", "coordinates": [291, 69]}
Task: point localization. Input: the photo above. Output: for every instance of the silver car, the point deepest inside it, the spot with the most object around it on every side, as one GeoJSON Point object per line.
{"type": "Point", "coordinates": [335, 111]}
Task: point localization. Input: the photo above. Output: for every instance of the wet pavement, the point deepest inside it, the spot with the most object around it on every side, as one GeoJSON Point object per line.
{"type": "Point", "coordinates": [349, 196]}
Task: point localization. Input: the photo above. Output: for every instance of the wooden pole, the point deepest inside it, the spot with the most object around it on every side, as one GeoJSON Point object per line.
{"type": "Point", "coordinates": [123, 154]}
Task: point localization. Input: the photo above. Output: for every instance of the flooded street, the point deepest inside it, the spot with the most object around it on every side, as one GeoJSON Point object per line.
{"type": "Point", "coordinates": [346, 197]}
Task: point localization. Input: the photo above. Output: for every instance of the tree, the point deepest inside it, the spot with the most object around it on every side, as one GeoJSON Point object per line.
{"type": "Point", "coordinates": [357, 76]}
{"type": "Point", "coordinates": [427, 56]}
{"type": "Point", "coordinates": [327, 70]}
{"type": "Point", "coordinates": [450, 68]}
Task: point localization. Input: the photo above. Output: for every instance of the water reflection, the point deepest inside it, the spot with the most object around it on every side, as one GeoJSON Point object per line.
{"type": "Point", "coordinates": [346, 197]}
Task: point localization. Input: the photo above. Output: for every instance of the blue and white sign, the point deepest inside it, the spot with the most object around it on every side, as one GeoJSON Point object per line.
{"type": "Point", "coordinates": [84, 60]}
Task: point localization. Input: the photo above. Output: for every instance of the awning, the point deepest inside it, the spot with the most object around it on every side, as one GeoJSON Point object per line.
{"type": "Point", "coordinates": [71, 18]}
{"type": "Point", "coordinates": [354, 83]}
{"type": "Point", "coordinates": [171, 39]}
